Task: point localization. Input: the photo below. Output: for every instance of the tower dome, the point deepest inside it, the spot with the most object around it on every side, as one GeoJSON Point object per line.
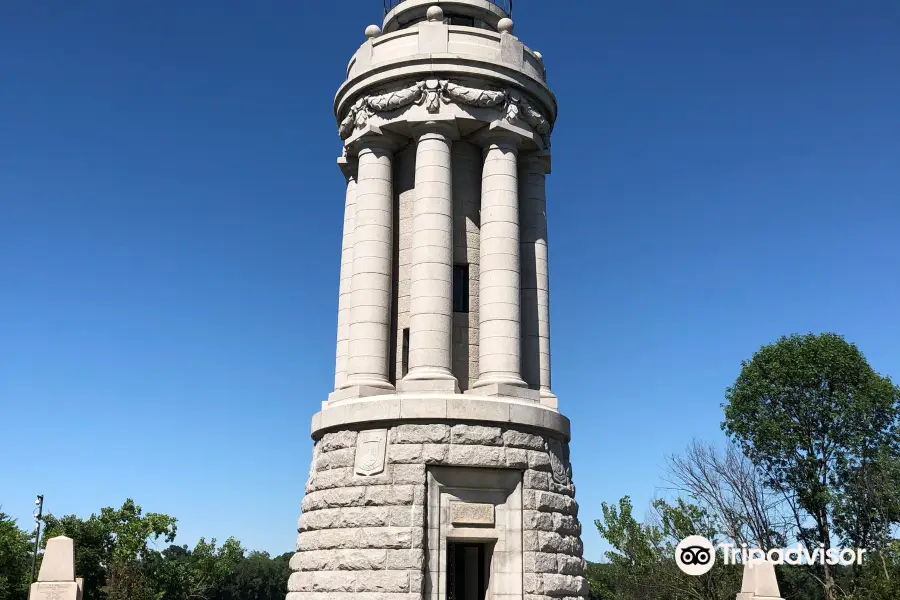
{"type": "Point", "coordinates": [441, 465]}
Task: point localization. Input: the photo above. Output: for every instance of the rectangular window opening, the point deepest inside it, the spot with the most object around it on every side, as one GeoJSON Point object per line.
{"type": "Point", "coordinates": [461, 288]}
{"type": "Point", "coordinates": [461, 20]}
{"type": "Point", "coordinates": [404, 354]}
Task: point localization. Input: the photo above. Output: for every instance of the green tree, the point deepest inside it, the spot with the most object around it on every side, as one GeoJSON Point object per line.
{"type": "Point", "coordinates": [258, 577]}
{"type": "Point", "coordinates": [636, 559]}
{"type": "Point", "coordinates": [93, 545]}
{"type": "Point", "coordinates": [15, 559]}
{"type": "Point", "coordinates": [642, 566]}
{"type": "Point", "coordinates": [879, 577]}
{"type": "Point", "coordinates": [602, 578]}
{"type": "Point", "coordinates": [131, 530]}
{"type": "Point", "coordinates": [168, 569]}
{"type": "Point", "coordinates": [211, 566]}
{"type": "Point", "coordinates": [821, 424]}
{"type": "Point", "coordinates": [128, 580]}
{"type": "Point", "coordinates": [680, 520]}
{"type": "Point", "coordinates": [110, 549]}
{"type": "Point", "coordinates": [199, 574]}
{"type": "Point", "coordinates": [115, 555]}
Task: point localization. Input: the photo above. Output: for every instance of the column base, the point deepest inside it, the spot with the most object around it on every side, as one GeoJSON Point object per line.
{"type": "Point", "coordinates": [368, 381]}
{"type": "Point", "coordinates": [505, 390]}
{"type": "Point", "coordinates": [549, 399]}
{"type": "Point", "coordinates": [504, 379]}
{"type": "Point", "coordinates": [428, 385]}
{"type": "Point", "coordinates": [355, 391]}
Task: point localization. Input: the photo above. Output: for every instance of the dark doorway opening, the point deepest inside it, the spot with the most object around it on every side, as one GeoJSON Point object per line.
{"type": "Point", "coordinates": [467, 570]}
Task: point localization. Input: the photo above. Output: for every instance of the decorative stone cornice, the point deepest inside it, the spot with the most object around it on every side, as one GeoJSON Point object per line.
{"type": "Point", "coordinates": [431, 93]}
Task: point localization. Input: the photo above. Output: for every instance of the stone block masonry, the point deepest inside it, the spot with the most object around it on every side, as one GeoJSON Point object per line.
{"type": "Point", "coordinates": [365, 537]}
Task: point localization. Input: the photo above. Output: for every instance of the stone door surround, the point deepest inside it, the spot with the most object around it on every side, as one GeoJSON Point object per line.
{"type": "Point", "coordinates": [475, 505]}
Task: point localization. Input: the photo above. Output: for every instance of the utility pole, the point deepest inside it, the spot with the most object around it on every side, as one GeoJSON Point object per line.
{"type": "Point", "coordinates": [38, 512]}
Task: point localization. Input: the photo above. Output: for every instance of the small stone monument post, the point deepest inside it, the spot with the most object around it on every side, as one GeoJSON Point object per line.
{"type": "Point", "coordinates": [759, 582]}
{"type": "Point", "coordinates": [56, 579]}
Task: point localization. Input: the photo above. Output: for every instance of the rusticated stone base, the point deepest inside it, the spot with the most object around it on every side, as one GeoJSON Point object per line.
{"type": "Point", "coordinates": [366, 537]}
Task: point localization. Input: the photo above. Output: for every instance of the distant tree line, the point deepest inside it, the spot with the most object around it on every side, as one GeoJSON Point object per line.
{"type": "Point", "coordinates": [813, 459]}
{"type": "Point", "coordinates": [113, 554]}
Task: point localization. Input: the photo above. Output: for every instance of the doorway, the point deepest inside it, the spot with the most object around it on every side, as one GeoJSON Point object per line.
{"type": "Point", "coordinates": [468, 565]}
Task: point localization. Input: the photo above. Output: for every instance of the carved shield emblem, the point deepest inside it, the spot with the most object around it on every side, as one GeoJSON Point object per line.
{"type": "Point", "coordinates": [558, 462]}
{"type": "Point", "coordinates": [370, 451]}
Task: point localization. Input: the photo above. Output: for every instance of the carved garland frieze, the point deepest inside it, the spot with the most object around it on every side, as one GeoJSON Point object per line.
{"type": "Point", "coordinates": [432, 92]}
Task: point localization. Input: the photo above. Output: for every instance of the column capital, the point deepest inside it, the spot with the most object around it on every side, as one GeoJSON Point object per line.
{"type": "Point", "coordinates": [537, 161]}
{"type": "Point", "coordinates": [503, 133]}
{"type": "Point", "coordinates": [348, 166]}
{"type": "Point", "coordinates": [372, 137]}
{"type": "Point", "coordinates": [445, 128]}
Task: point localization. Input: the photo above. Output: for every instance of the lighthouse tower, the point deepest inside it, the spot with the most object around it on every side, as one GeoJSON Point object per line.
{"type": "Point", "coordinates": [440, 468]}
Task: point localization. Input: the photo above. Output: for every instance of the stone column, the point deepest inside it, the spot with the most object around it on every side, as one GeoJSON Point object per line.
{"type": "Point", "coordinates": [348, 166]}
{"type": "Point", "coordinates": [535, 275]}
{"type": "Point", "coordinates": [370, 299]}
{"type": "Point", "coordinates": [431, 273]}
{"type": "Point", "coordinates": [499, 327]}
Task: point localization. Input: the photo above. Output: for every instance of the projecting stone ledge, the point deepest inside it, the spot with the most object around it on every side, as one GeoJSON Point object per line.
{"type": "Point", "coordinates": [394, 408]}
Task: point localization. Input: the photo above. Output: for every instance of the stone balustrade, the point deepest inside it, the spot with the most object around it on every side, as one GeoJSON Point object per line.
{"type": "Point", "coordinates": [421, 50]}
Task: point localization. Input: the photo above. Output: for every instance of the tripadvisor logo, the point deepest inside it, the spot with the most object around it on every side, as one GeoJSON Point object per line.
{"type": "Point", "coordinates": [696, 555]}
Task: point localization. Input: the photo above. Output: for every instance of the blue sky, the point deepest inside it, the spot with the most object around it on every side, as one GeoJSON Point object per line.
{"type": "Point", "coordinates": [170, 214]}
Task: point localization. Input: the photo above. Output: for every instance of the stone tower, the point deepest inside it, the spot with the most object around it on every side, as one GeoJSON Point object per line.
{"type": "Point", "coordinates": [440, 469]}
